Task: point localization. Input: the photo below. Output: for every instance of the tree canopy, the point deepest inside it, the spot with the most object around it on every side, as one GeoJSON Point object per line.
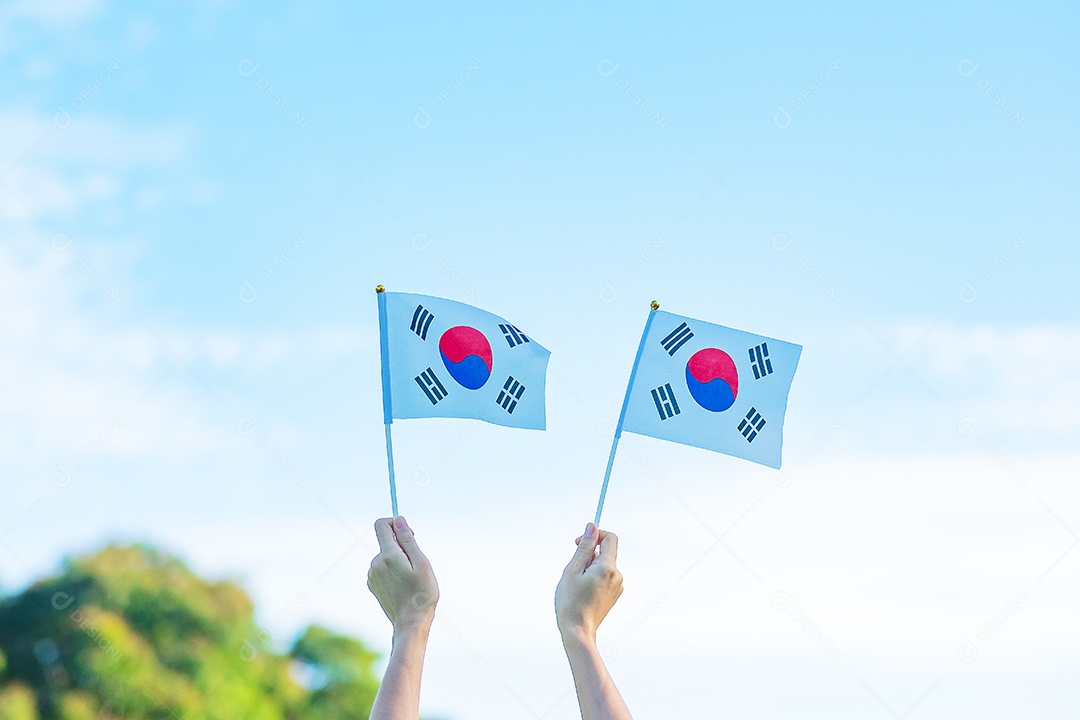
{"type": "Point", "coordinates": [130, 632]}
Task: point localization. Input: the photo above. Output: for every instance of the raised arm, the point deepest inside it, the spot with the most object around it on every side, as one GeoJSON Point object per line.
{"type": "Point", "coordinates": [589, 587]}
{"type": "Point", "coordinates": [402, 579]}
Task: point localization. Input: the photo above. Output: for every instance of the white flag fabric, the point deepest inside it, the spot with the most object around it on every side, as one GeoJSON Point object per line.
{"type": "Point", "coordinates": [712, 387]}
{"type": "Point", "coordinates": [443, 358]}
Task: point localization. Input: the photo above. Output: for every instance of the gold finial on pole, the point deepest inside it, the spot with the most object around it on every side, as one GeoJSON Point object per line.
{"type": "Point", "coordinates": [379, 289]}
{"type": "Point", "coordinates": [654, 305]}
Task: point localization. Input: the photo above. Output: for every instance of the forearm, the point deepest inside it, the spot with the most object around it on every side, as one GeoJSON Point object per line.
{"type": "Point", "coordinates": [399, 693]}
{"type": "Point", "coordinates": [597, 695]}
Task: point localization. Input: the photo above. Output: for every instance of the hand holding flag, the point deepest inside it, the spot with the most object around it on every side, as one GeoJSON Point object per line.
{"type": "Point", "coordinates": [442, 358]}
{"type": "Point", "coordinates": [709, 386]}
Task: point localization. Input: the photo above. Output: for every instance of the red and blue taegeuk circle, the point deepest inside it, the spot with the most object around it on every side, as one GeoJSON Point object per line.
{"type": "Point", "coordinates": [712, 379]}
{"type": "Point", "coordinates": [466, 353]}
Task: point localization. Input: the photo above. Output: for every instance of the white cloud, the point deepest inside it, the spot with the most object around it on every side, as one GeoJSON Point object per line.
{"type": "Point", "coordinates": [54, 11]}
{"type": "Point", "coordinates": [55, 172]}
{"type": "Point", "coordinates": [79, 366]}
{"type": "Point", "coordinates": [1025, 380]}
{"type": "Point", "coordinates": [49, 16]}
{"type": "Point", "coordinates": [890, 562]}
{"type": "Point", "coordinates": [81, 356]}
{"type": "Point", "coordinates": [912, 383]}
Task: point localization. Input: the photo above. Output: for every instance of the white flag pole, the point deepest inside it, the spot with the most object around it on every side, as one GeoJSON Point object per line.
{"type": "Point", "coordinates": [390, 466]}
{"type": "Point", "coordinates": [654, 305]}
{"type": "Point", "coordinates": [388, 414]}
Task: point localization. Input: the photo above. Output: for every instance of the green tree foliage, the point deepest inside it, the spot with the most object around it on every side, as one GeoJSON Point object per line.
{"type": "Point", "coordinates": [130, 632]}
{"type": "Point", "coordinates": [342, 672]}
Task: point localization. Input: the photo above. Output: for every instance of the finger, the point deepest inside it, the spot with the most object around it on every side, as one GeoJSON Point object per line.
{"type": "Point", "coordinates": [584, 554]}
{"type": "Point", "coordinates": [609, 548]}
{"type": "Point", "coordinates": [385, 532]}
{"type": "Point", "coordinates": [406, 539]}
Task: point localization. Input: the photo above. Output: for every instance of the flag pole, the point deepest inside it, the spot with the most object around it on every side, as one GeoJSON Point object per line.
{"type": "Point", "coordinates": [390, 466]}
{"type": "Point", "coordinates": [388, 414]}
{"type": "Point", "coordinates": [654, 306]}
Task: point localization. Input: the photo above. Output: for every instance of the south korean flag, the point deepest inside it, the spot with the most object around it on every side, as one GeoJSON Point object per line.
{"type": "Point", "coordinates": [712, 387]}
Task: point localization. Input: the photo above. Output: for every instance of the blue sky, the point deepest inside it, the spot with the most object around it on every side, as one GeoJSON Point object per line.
{"type": "Point", "coordinates": [198, 199]}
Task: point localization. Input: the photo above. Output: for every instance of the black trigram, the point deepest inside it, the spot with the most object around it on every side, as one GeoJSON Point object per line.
{"type": "Point", "coordinates": [676, 339]}
{"type": "Point", "coordinates": [665, 402]}
{"type": "Point", "coordinates": [512, 335]}
{"type": "Point", "coordinates": [751, 425]}
{"type": "Point", "coordinates": [431, 386]}
{"type": "Point", "coordinates": [511, 392]}
{"type": "Point", "coordinates": [421, 321]}
{"type": "Point", "coordinates": [759, 360]}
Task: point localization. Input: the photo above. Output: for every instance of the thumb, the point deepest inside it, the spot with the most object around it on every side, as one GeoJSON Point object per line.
{"type": "Point", "coordinates": [584, 553]}
{"type": "Point", "coordinates": [407, 540]}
